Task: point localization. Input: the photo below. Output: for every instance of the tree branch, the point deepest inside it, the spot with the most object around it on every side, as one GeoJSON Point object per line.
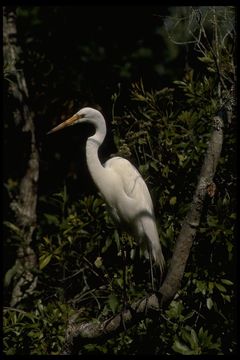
{"type": "Point", "coordinates": [77, 333]}
{"type": "Point", "coordinates": [24, 205]}
{"type": "Point", "coordinates": [192, 220]}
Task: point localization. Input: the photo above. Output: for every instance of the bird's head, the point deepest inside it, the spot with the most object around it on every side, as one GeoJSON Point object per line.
{"type": "Point", "coordinates": [86, 114]}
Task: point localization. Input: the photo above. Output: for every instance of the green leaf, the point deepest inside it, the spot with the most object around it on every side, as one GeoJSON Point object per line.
{"type": "Point", "coordinates": [210, 286]}
{"type": "Point", "coordinates": [52, 219]}
{"type": "Point", "coordinates": [175, 309]}
{"type": "Point", "coordinates": [181, 348]}
{"type": "Point", "coordinates": [189, 336]}
{"type": "Point", "coordinates": [165, 171]}
{"type": "Point", "coordinates": [209, 303]}
{"type": "Point", "coordinates": [153, 164]}
{"type": "Point", "coordinates": [169, 232]}
{"type": "Point", "coordinates": [178, 82]}
{"type": "Point", "coordinates": [113, 302]}
{"type": "Point", "coordinates": [201, 286]}
{"type": "Point", "coordinates": [226, 282]}
{"type": "Point", "coordinates": [13, 227]}
{"type": "Point", "coordinates": [211, 69]}
{"type": "Point", "coordinates": [188, 316]}
{"type": "Point", "coordinates": [44, 260]}
{"type": "Point", "coordinates": [173, 200]}
{"type": "Point", "coordinates": [206, 59]}
{"type": "Point", "coordinates": [46, 240]}
{"type": "Point", "coordinates": [194, 339]}
{"type": "Point", "coordinates": [9, 275]}
{"type": "Point", "coordinates": [201, 332]}
{"type": "Point", "coordinates": [98, 262]}
{"type": "Point", "coordinates": [181, 158]}
{"type": "Point", "coordinates": [117, 240]}
{"type": "Point", "coordinates": [226, 297]}
{"type": "Point", "coordinates": [220, 287]}
{"type": "Point", "coordinates": [108, 242]}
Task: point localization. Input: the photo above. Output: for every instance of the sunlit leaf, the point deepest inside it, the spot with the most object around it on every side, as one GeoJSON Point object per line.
{"type": "Point", "coordinates": [226, 282]}
{"type": "Point", "coordinates": [209, 303]}
{"type": "Point", "coordinates": [181, 348]}
{"type": "Point", "coordinates": [173, 200]}
{"type": "Point", "coordinates": [44, 261]}
{"type": "Point", "coordinates": [98, 262]}
{"type": "Point", "coordinates": [220, 287]}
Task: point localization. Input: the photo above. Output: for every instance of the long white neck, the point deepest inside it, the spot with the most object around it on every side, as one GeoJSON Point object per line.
{"type": "Point", "coordinates": [95, 167]}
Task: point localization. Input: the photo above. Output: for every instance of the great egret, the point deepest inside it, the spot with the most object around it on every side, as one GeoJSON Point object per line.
{"type": "Point", "coordinates": [121, 185]}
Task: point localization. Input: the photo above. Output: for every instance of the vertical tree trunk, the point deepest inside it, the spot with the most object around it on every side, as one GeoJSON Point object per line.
{"type": "Point", "coordinates": [24, 205]}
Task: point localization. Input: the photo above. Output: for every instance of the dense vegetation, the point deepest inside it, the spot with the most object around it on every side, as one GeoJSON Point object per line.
{"type": "Point", "coordinates": [160, 87]}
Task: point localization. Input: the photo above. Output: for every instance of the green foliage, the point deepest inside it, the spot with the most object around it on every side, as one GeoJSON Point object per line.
{"type": "Point", "coordinates": [192, 343]}
{"type": "Point", "coordinates": [38, 332]}
{"type": "Point", "coordinates": [164, 133]}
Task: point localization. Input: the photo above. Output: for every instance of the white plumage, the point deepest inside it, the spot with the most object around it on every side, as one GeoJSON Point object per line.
{"type": "Point", "coordinates": [133, 208]}
{"type": "Point", "coordinates": [121, 185]}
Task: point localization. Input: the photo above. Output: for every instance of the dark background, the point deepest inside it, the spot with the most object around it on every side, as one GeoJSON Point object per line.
{"type": "Point", "coordinates": [75, 56]}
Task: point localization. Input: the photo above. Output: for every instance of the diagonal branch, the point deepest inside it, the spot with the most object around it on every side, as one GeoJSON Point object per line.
{"type": "Point", "coordinates": [191, 222]}
{"type": "Point", "coordinates": [81, 332]}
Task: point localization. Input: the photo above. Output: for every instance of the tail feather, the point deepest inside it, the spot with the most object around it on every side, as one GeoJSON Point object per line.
{"type": "Point", "coordinates": [153, 242]}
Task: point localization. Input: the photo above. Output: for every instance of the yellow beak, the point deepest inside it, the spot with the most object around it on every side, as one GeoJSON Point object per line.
{"type": "Point", "coordinates": [65, 123]}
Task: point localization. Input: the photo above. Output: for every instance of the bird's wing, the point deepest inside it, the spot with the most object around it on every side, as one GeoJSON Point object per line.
{"type": "Point", "coordinates": [132, 181]}
{"type": "Point", "coordinates": [138, 211]}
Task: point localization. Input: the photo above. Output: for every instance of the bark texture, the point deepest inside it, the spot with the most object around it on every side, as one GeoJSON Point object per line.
{"type": "Point", "coordinates": [24, 205]}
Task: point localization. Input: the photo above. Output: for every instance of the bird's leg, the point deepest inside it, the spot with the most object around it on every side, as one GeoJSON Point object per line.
{"type": "Point", "coordinates": [124, 238]}
{"type": "Point", "coordinates": [151, 271]}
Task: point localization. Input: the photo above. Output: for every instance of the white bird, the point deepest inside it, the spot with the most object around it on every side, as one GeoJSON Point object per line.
{"type": "Point", "coordinates": [121, 186]}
